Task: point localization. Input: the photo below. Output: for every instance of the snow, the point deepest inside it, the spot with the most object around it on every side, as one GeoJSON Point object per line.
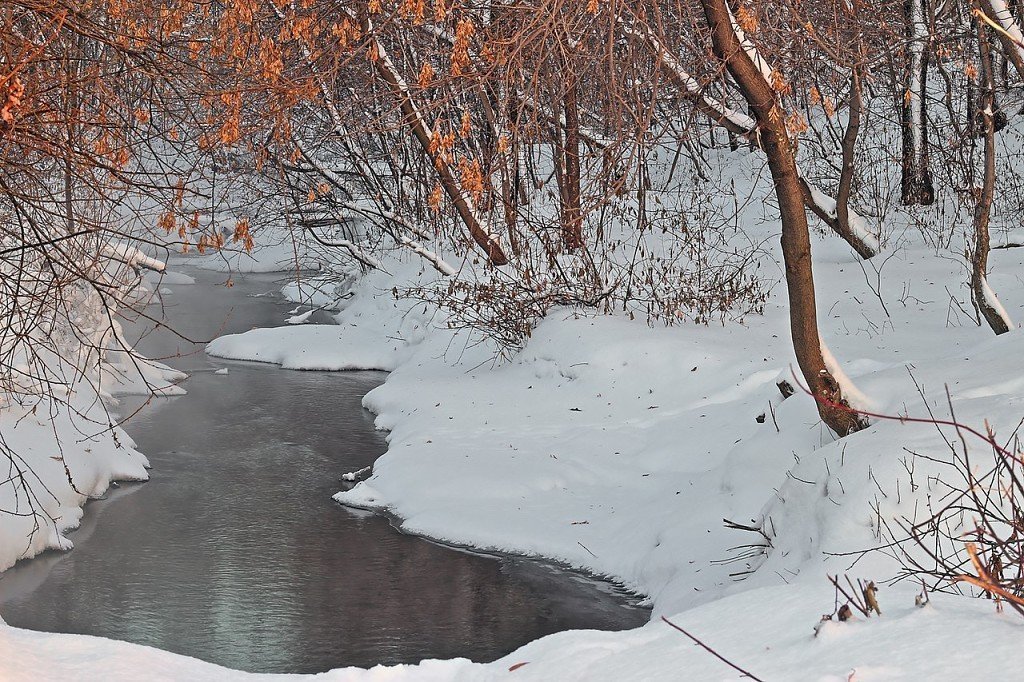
{"type": "Point", "coordinates": [760, 62]}
{"type": "Point", "coordinates": [853, 395]}
{"type": "Point", "coordinates": [992, 301]}
{"type": "Point", "coordinates": [768, 631]}
{"type": "Point", "coordinates": [300, 318]}
{"type": "Point", "coordinates": [132, 256]}
{"type": "Point", "coordinates": [49, 439]}
{"type": "Point", "coordinates": [619, 448]}
{"type": "Point", "coordinates": [435, 260]}
{"type": "Point", "coordinates": [373, 332]}
{"type": "Point", "coordinates": [858, 225]}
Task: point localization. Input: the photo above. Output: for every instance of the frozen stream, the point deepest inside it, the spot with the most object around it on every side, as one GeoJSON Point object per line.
{"type": "Point", "coordinates": [235, 553]}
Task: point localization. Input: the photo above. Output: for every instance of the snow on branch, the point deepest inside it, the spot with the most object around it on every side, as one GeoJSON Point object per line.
{"type": "Point", "coordinates": [734, 121]}
{"type": "Point", "coordinates": [760, 62]}
{"type": "Point", "coordinates": [133, 257]}
{"type": "Point", "coordinates": [475, 223]}
{"type": "Point", "coordinates": [429, 256]}
{"type": "Point", "coordinates": [992, 301]}
{"type": "Point", "coordinates": [1007, 25]}
{"type": "Point", "coordinates": [853, 395]}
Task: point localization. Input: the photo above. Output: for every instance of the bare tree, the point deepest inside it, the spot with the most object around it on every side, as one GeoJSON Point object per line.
{"type": "Point", "coordinates": [984, 298]}
{"type": "Point", "coordinates": [753, 77]}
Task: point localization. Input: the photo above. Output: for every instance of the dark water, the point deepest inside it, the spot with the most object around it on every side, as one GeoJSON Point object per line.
{"type": "Point", "coordinates": [234, 551]}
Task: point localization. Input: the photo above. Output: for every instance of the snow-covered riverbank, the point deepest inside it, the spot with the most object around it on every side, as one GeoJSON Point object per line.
{"type": "Point", "coordinates": [620, 449]}
{"type": "Point", "coordinates": [59, 436]}
{"type": "Point", "coordinates": [767, 631]}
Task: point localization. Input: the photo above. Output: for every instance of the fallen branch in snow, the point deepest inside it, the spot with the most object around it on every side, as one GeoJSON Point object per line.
{"type": "Point", "coordinates": [851, 599]}
{"type": "Point", "coordinates": [358, 475]}
{"type": "Point", "coordinates": [749, 551]}
{"type": "Point", "coordinates": [714, 653]}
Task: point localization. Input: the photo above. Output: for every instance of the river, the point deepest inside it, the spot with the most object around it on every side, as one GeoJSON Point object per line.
{"type": "Point", "coordinates": [234, 551]}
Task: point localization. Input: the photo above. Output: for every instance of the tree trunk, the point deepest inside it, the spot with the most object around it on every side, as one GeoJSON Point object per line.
{"type": "Point", "coordinates": [916, 185]}
{"type": "Point", "coordinates": [849, 144]}
{"type": "Point", "coordinates": [849, 151]}
{"type": "Point", "coordinates": [572, 217]}
{"type": "Point", "coordinates": [984, 298]}
{"type": "Point", "coordinates": [796, 246]}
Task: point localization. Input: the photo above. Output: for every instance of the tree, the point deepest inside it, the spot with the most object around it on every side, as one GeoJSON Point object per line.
{"type": "Point", "coordinates": [917, 184]}
{"type": "Point", "coordinates": [984, 298]}
{"type": "Point", "coordinates": [754, 78]}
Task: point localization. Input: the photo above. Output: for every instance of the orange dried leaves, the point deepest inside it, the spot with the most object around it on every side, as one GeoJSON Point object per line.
{"type": "Point", "coordinates": [15, 92]}
{"type": "Point", "coordinates": [464, 31]}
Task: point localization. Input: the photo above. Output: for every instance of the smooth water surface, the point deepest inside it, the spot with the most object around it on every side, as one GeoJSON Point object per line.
{"type": "Point", "coordinates": [235, 553]}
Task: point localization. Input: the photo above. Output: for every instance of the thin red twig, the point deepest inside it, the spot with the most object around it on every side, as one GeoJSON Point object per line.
{"type": "Point", "coordinates": [990, 439]}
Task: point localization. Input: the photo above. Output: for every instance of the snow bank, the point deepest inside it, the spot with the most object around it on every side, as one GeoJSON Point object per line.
{"type": "Point", "coordinates": [374, 331]}
{"type": "Point", "coordinates": [311, 347]}
{"type": "Point", "coordinates": [768, 631]}
{"type": "Point", "coordinates": [59, 444]}
{"type": "Point", "coordinates": [72, 457]}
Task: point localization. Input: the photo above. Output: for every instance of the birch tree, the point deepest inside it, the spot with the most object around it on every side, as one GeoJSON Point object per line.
{"type": "Point", "coordinates": [917, 184]}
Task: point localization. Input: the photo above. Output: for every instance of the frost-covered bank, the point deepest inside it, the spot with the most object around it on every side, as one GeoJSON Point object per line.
{"type": "Point", "coordinates": [58, 438]}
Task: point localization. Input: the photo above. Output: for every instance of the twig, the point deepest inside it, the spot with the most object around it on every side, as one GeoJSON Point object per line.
{"type": "Point", "coordinates": [714, 653]}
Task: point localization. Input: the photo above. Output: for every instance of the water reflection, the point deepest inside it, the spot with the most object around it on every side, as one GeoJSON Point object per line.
{"type": "Point", "coordinates": [235, 553]}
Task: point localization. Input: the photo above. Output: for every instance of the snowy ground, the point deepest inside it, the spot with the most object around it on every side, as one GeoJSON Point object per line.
{"type": "Point", "coordinates": [620, 449]}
